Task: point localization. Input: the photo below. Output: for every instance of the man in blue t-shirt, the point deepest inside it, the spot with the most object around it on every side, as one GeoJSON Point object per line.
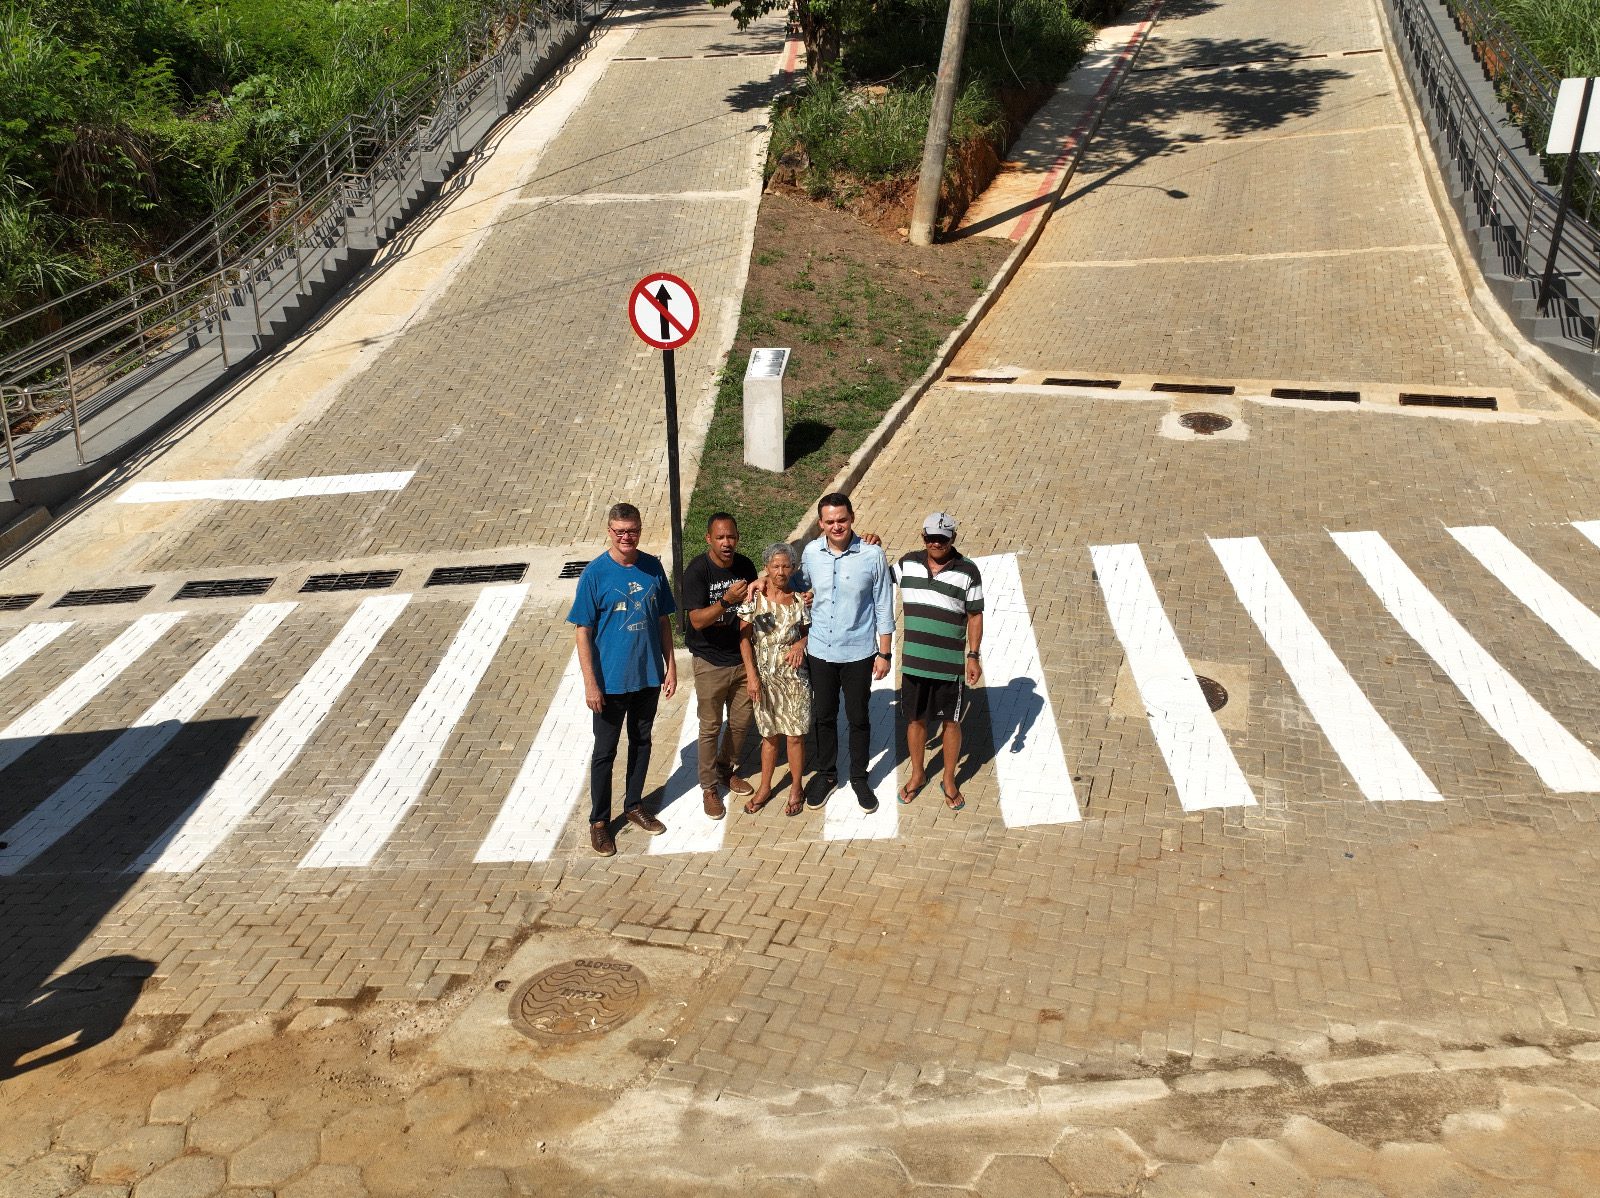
{"type": "Point", "coordinates": [623, 612]}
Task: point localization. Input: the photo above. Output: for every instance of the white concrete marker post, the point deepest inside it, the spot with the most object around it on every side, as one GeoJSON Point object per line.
{"type": "Point", "coordinates": [763, 409]}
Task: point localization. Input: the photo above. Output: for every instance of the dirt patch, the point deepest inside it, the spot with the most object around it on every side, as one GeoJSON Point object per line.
{"type": "Point", "coordinates": [864, 312]}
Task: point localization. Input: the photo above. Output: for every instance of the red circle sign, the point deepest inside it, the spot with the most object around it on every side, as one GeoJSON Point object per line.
{"type": "Point", "coordinates": [663, 311]}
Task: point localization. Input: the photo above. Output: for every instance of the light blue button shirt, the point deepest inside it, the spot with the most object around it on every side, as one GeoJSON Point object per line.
{"type": "Point", "coordinates": [854, 602]}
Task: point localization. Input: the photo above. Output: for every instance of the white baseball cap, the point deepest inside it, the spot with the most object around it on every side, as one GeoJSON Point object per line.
{"type": "Point", "coordinates": [939, 525]}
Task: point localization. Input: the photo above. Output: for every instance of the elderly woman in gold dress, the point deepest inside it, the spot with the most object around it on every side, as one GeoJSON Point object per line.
{"type": "Point", "coordinates": [774, 623]}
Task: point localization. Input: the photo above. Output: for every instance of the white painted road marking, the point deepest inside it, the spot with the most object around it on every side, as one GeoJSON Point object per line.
{"type": "Point", "coordinates": [843, 818]}
{"type": "Point", "coordinates": [530, 821]}
{"type": "Point", "coordinates": [1367, 747]}
{"type": "Point", "coordinates": [61, 704]}
{"type": "Point", "coordinates": [263, 490]}
{"type": "Point", "coordinates": [26, 643]}
{"type": "Point", "coordinates": [372, 813]}
{"type": "Point", "coordinates": [1035, 780]}
{"type": "Point", "coordinates": [689, 828]}
{"type": "Point", "coordinates": [91, 786]}
{"type": "Point", "coordinates": [1202, 765]}
{"type": "Point", "coordinates": [1541, 594]}
{"type": "Point", "coordinates": [248, 778]}
{"type": "Point", "coordinates": [1558, 757]}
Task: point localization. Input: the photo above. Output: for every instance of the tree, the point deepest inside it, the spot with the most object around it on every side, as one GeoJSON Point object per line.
{"type": "Point", "coordinates": [823, 24]}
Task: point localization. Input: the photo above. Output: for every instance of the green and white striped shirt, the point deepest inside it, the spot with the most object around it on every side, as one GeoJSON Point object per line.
{"type": "Point", "coordinates": [936, 610]}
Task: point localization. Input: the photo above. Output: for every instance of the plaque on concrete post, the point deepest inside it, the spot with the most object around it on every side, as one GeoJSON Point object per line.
{"type": "Point", "coordinates": [763, 408]}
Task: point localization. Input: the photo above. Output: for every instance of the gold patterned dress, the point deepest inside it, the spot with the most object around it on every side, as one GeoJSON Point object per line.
{"type": "Point", "coordinates": [785, 707]}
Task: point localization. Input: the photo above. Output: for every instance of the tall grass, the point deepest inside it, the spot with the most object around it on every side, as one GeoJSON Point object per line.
{"type": "Point", "coordinates": [1563, 34]}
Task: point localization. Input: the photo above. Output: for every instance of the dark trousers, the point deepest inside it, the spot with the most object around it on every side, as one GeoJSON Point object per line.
{"type": "Point", "coordinates": [828, 680]}
{"type": "Point", "coordinates": [637, 709]}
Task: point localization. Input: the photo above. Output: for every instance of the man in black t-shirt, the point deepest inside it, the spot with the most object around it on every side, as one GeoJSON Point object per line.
{"type": "Point", "coordinates": [715, 583]}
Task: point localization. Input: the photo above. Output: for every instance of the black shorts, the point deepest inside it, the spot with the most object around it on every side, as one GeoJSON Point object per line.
{"type": "Point", "coordinates": [934, 699]}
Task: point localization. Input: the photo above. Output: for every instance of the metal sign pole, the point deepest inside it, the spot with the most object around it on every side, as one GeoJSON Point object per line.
{"type": "Point", "coordinates": [1567, 176]}
{"type": "Point", "coordinates": [669, 377]}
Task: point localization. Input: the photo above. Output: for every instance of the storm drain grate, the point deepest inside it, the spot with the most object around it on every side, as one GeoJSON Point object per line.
{"type": "Point", "coordinates": [1419, 399]}
{"type": "Point", "coordinates": [571, 569]}
{"type": "Point", "coordinates": [224, 588]}
{"type": "Point", "coordinates": [1216, 694]}
{"type": "Point", "coordinates": [447, 576]}
{"type": "Point", "coordinates": [979, 378]}
{"type": "Point", "coordinates": [103, 596]}
{"type": "Point", "coordinates": [356, 580]}
{"type": "Point", "coordinates": [1314, 393]}
{"type": "Point", "coordinates": [1195, 388]}
{"type": "Point", "coordinates": [1104, 384]}
{"type": "Point", "coordinates": [17, 602]}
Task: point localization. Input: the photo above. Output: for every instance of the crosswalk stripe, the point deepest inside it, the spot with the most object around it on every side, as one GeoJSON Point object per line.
{"type": "Point", "coordinates": [61, 704]}
{"type": "Point", "coordinates": [1558, 757]}
{"type": "Point", "coordinates": [91, 786]}
{"type": "Point", "coordinates": [1035, 780]}
{"type": "Point", "coordinates": [547, 786]}
{"type": "Point", "coordinates": [380, 801]}
{"type": "Point", "coordinates": [248, 778]}
{"type": "Point", "coordinates": [1590, 529]}
{"type": "Point", "coordinates": [1202, 765]}
{"type": "Point", "coordinates": [689, 828]}
{"type": "Point", "coordinates": [1366, 745]}
{"type": "Point", "coordinates": [26, 643]}
{"type": "Point", "coordinates": [1539, 593]}
{"type": "Point", "coordinates": [843, 818]}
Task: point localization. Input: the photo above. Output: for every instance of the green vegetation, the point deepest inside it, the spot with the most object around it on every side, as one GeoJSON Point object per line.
{"type": "Point", "coordinates": [1563, 34]}
{"type": "Point", "coordinates": [125, 122]}
{"type": "Point", "coordinates": [862, 118]}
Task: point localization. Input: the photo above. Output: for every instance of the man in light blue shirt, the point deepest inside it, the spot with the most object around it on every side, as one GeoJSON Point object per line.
{"type": "Point", "coordinates": [852, 630]}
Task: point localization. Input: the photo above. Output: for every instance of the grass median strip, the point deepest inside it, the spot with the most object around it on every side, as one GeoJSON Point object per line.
{"type": "Point", "coordinates": [863, 314]}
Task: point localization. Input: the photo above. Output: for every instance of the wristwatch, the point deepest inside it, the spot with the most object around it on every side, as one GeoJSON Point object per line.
{"type": "Point", "coordinates": [973, 654]}
{"type": "Point", "coordinates": [885, 656]}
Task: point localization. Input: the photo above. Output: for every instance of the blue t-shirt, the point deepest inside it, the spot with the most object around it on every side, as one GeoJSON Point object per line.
{"type": "Point", "coordinates": [622, 606]}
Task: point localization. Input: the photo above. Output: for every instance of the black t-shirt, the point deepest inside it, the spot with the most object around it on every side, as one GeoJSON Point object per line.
{"type": "Point", "coordinates": [703, 583]}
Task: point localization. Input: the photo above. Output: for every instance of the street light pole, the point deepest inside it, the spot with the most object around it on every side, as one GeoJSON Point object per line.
{"type": "Point", "coordinates": [925, 211]}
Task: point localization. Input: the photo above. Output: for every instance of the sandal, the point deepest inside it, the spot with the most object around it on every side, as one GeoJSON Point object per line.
{"type": "Point", "coordinates": [757, 801]}
{"type": "Point", "coordinates": [910, 791]}
{"type": "Point", "coordinates": [796, 803]}
{"type": "Point", "coordinates": [953, 801]}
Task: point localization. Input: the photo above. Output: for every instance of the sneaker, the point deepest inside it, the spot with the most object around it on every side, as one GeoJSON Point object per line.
{"type": "Point", "coordinates": [734, 783]}
{"type": "Point", "coordinates": [821, 787]}
{"type": "Point", "coordinates": [600, 837]}
{"type": "Point", "coordinates": [864, 796]}
{"type": "Point", "coordinates": [640, 818]}
{"type": "Point", "coordinates": [712, 802]}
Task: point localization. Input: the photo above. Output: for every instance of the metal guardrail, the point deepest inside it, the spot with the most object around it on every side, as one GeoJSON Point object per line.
{"type": "Point", "coordinates": [1525, 85]}
{"type": "Point", "coordinates": [141, 317]}
{"type": "Point", "coordinates": [1517, 207]}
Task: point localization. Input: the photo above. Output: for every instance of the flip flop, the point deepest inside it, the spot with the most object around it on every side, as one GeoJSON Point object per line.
{"type": "Point", "coordinates": [751, 807]}
{"type": "Point", "coordinates": [796, 803]}
{"type": "Point", "coordinates": [953, 801]}
{"type": "Point", "coordinates": [909, 792]}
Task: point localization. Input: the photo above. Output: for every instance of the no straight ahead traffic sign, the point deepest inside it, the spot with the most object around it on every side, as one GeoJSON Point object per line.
{"type": "Point", "coordinates": [663, 311]}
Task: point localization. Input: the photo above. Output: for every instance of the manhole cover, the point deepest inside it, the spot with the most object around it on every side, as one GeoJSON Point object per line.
{"type": "Point", "coordinates": [1216, 694]}
{"type": "Point", "coordinates": [577, 998]}
{"type": "Point", "coordinates": [1204, 423]}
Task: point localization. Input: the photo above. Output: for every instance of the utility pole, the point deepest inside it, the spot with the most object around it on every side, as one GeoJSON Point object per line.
{"type": "Point", "coordinates": [925, 211]}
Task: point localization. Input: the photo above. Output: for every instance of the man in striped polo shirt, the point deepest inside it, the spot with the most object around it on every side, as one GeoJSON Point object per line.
{"type": "Point", "coordinates": [942, 596]}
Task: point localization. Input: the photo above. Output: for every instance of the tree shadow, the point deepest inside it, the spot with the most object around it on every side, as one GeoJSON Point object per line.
{"type": "Point", "coordinates": [70, 841]}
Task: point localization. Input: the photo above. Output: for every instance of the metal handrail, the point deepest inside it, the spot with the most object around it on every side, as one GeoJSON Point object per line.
{"type": "Point", "coordinates": [116, 326]}
{"type": "Point", "coordinates": [1510, 201]}
{"type": "Point", "coordinates": [1525, 84]}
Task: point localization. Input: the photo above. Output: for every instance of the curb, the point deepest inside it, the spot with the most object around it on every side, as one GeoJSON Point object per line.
{"type": "Point", "coordinates": [1055, 184]}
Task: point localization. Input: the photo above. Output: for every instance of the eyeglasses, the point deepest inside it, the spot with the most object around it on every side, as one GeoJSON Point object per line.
{"type": "Point", "coordinates": [933, 540]}
{"type": "Point", "coordinates": [625, 534]}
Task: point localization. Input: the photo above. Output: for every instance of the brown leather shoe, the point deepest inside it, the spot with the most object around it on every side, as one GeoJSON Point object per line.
{"type": "Point", "coordinates": [712, 802]}
{"type": "Point", "coordinates": [735, 783]}
{"type": "Point", "coordinates": [600, 836]}
{"type": "Point", "coordinates": [640, 818]}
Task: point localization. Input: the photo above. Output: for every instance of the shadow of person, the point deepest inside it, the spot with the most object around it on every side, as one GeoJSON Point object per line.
{"type": "Point", "coordinates": [1001, 719]}
{"type": "Point", "coordinates": [68, 1014]}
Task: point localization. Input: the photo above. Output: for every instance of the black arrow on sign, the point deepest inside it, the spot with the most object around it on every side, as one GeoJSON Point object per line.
{"type": "Point", "coordinates": [663, 301]}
